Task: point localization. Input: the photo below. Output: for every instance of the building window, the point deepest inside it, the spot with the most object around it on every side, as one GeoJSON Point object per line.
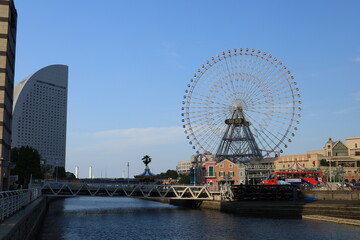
{"type": "Point", "coordinates": [355, 145]}
{"type": "Point", "coordinates": [230, 165]}
{"type": "Point", "coordinates": [231, 174]}
{"type": "Point", "coordinates": [221, 174]}
{"type": "Point", "coordinates": [221, 165]}
{"type": "Point", "coordinates": [211, 171]}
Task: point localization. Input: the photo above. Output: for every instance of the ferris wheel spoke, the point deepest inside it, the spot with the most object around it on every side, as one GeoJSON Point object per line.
{"type": "Point", "coordinates": [264, 142]}
{"type": "Point", "coordinates": [212, 96]}
{"type": "Point", "coordinates": [274, 115]}
{"type": "Point", "coordinates": [203, 131]}
{"type": "Point", "coordinates": [274, 120]}
{"type": "Point", "coordinates": [272, 107]}
{"type": "Point", "coordinates": [280, 88]}
{"type": "Point", "coordinates": [227, 75]}
{"type": "Point", "coordinates": [272, 102]}
{"type": "Point", "coordinates": [210, 84]}
{"type": "Point", "coordinates": [204, 118]}
{"type": "Point", "coordinates": [203, 121]}
{"type": "Point", "coordinates": [273, 136]}
{"type": "Point", "coordinates": [216, 88]}
{"type": "Point", "coordinates": [208, 101]}
{"type": "Point", "coordinates": [202, 107]}
{"type": "Point", "coordinates": [284, 93]}
{"type": "Point", "coordinates": [228, 81]}
{"type": "Point", "coordinates": [207, 139]}
{"type": "Point", "coordinates": [207, 122]}
{"type": "Point", "coordinates": [232, 75]}
{"type": "Point", "coordinates": [272, 111]}
{"type": "Point", "coordinates": [275, 96]}
{"type": "Point", "coordinates": [265, 137]}
{"type": "Point", "coordinates": [208, 116]}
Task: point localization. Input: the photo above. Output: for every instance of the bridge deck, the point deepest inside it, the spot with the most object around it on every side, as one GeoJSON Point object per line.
{"type": "Point", "coordinates": [125, 190]}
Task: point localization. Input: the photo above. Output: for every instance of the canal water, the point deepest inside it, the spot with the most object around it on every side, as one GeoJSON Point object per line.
{"type": "Point", "coordinates": [105, 218]}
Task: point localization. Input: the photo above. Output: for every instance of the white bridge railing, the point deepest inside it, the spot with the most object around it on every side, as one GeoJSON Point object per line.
{"type": "Point", "coordinates": [13, 201]}
{"type": "Point", "coordinates": [127, 190]}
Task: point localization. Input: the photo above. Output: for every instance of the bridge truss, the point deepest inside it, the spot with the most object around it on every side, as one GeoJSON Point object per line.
{"type": "Point", "coordinates": [127, 190]}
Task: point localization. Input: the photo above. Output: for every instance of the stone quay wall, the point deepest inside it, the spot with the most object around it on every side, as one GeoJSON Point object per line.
{"type": "Point", "coordinates": [332, 195]}
{"type": "Point", "coordinates": [26, 223]}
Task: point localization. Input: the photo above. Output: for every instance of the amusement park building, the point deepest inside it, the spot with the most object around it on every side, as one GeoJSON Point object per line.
{"type": "Point", "coordinates": [39, 113]}
{"type": "Point", "coordinates": [344, 159]}
{"type": "Point", "coordinates": [228, 172]}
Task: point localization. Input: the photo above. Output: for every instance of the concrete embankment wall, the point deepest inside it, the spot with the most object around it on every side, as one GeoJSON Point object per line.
{"type": "Point", "coordinates": [279, 209]}
{"type": "Point", "coordinates": [333, 195]}
{"type": "Point", "coordinates": [26, 223]}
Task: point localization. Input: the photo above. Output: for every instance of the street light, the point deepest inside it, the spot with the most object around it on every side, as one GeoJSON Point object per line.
{"type": "Point", "coordinates": [56, 169]}
{"type": "Point", "coordinates": [330, 180]}
{"type": "Point", "coordinates": [128, 166]}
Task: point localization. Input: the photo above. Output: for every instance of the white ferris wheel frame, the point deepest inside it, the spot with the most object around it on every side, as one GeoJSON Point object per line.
{"type": "Point", "coordinates": [253, 80]}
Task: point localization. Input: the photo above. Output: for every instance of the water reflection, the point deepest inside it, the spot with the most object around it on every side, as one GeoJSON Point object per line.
{"type": "Point", "coordinates": [126, 218]}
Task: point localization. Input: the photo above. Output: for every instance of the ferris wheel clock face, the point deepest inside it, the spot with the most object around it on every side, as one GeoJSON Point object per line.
{"type": "Point", "coordinates": [247, 79]}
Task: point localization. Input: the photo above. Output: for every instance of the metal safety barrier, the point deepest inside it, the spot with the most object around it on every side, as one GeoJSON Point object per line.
{"type": "Point", "coordinates": [12, 201]}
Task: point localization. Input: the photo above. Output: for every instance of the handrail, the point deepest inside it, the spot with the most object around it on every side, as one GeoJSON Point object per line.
{"type": "Point", "coordinates": [12, 201]}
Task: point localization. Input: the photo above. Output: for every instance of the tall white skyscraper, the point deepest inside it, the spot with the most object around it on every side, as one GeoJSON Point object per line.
{"type": "Point", "coordinates": [39, 113]}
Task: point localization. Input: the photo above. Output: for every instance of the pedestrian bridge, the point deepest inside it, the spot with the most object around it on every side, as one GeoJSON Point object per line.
{"type": "Point", "coordinates": [185, 192]}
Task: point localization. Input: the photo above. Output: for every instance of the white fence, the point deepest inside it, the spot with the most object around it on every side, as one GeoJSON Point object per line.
{"type": "Point", "coordinates": [13, 201]}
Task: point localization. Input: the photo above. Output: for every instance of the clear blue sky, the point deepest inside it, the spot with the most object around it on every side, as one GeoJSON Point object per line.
{"type": "Point", "coordinates": [129, 63]}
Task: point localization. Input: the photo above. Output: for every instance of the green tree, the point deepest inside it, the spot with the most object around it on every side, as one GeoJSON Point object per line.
{"type": "Point", "coordinates": [59, 172]}
{"type": "Point", "coordinates": [168, 174]}
{"type": "Point", "coordinates": [184, 179]}
{"type": "Point", "coordinates": [70, 175]}
{"type": "Point", "coordinates": [27, 163]}
{"type": "Point", "coordinates": [323, 162]}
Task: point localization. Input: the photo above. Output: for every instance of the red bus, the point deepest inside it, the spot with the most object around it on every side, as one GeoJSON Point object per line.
{"type": "Point", "coordinates": [295, 178]}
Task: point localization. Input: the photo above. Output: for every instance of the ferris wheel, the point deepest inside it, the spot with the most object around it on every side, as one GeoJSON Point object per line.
{"type": "Point", "coordinates": [252, 83]}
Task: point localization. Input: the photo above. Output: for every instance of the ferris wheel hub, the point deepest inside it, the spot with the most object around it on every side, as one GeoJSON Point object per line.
{"type": "Point", "coordinates": [237, 107]}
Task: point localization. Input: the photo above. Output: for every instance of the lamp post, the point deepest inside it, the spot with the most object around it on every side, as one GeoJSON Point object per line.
{"type": "Point", "coordinates": [128, 166]}
{"type": "Point", "coordinates": [329, 160]}
{"type": "Point", "coordinates": [56, 171]}
{"type": "Point", "coordinates": [194, 175]}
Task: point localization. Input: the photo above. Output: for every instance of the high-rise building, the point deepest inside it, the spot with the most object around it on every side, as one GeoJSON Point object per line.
{"type": "Point", "coordinates": [39, 114]}
{"type": "Point", "coordinates": [8, 20]}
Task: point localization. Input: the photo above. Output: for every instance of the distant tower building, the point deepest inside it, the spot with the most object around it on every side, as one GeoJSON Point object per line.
{"type": "Point", "coordinates": [8, 20]}
{"type": "Point", "coordinates": [77, 172]}
{"type": "Point", "coordinates": [90, 172]}
{"type": "Point", "coordinates": [39, 113]}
